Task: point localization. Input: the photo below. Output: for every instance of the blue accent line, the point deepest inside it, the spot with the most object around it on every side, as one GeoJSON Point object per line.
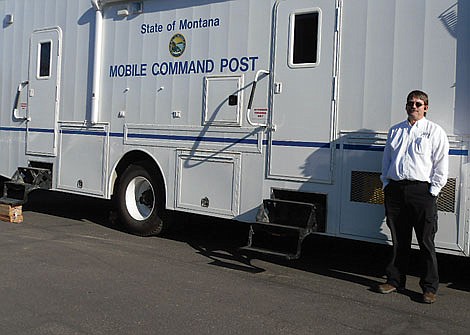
{"type": "Point", "coordinates": [11, 129]}
{"type": "Point", "coordinates": [452, 152]}
{"type": "Point", "coordinates": [41, 130]}
{"type": "Point", "coordinates": [193, 138]}
{"type": "Point", "coordinates": [301, 144]}
{"type": "Point", "coordinates": [78, 132]}
{"type": "Point", "coordinates": [363, 147]}
{"type": "Point", "coordinates": [458, 152]}
{"type": "Point", "coordinates": [354, 147]}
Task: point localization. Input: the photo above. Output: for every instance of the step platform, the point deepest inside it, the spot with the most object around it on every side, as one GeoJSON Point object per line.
{"type": "Point", "coordinates": [280, 228]}
{"type": "Point", "coordinates": [24, 181]}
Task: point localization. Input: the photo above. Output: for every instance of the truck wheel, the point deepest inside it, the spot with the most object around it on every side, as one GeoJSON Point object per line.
{"type": "Point", "coordinates": [140, 203]}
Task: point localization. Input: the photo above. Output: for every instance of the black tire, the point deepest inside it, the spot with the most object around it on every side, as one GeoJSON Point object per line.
{"type": "Point", "coordinates": [140, 202]}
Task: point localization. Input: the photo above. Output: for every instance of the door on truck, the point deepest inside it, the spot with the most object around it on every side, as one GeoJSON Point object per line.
{"type": "Point", "coordinates": [303, 94]}
{"type": "Point", "coordinates": [43, 92]}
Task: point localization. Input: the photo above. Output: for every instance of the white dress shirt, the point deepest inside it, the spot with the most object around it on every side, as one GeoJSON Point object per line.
{"type": "Point", "coordinates": [416, 152]}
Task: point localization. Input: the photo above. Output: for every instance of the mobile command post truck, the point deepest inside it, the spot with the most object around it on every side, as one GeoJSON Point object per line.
{"type": "Point", "coordinates": [270, 112]}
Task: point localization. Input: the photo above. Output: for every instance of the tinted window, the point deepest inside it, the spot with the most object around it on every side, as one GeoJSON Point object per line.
{"type": "Point", "coordinates": [305, 46]}
{"type": "Point", "coordinates": [45, 59]}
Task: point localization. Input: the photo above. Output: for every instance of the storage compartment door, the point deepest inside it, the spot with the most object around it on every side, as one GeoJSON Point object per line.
{"type": "Point", "coordinates": [208, 182]}
{"type": "Point", "coordinates": [83, 159]}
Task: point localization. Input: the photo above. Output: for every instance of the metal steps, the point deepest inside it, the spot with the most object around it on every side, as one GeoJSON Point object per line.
{"type": "Point", "coordinates": [25, 180]}
{"type": "Point", "coordinates": [280, 228]}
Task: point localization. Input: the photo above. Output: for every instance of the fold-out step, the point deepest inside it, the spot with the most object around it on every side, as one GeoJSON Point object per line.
{"type": "Point", "coordinates": [280, 228]}
{"type": "Point", "coordinates": [25, 180]}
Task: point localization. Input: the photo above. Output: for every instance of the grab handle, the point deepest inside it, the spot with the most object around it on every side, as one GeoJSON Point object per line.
{"type": "Point", "coordinates": [17, 100]}
{"type": "Point", "coordinates": [252, 95]}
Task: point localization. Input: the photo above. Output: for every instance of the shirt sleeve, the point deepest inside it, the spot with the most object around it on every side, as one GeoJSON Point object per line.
{"type": "Point", "coordinates": [440, 161]}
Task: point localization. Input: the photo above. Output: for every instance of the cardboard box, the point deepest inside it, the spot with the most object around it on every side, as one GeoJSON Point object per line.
{"type": "Point", "coordinates": [11, 213]}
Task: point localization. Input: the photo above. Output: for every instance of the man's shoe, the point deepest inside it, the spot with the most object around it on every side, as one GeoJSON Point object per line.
{"type": "Point", "coordinates": [429, 297]}
{"type": "Point", "coordinates": [386, 288]}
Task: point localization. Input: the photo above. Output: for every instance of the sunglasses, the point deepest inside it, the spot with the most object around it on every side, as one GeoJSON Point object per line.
{"type": "Point", "coordinates": [411, 104]}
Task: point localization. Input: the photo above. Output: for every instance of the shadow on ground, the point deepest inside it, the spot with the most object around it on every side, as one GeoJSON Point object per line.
{"type": "Point", "coordinates": [220, 241]}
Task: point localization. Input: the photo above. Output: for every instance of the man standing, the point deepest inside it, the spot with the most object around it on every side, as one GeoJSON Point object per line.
{"type": "Point", "coordinates": [414, 169]}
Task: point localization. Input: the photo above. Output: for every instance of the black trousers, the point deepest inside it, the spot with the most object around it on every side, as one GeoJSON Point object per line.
{"type": "Point", "coordinates": [408, 206]}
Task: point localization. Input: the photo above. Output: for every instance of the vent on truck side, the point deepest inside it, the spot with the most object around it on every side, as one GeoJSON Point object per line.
{"type": "Point", "coordinates": [366, 187]}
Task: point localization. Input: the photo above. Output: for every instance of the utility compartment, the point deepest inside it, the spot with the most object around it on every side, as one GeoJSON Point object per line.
{"type": "Point", "coordinates": [208, 182]}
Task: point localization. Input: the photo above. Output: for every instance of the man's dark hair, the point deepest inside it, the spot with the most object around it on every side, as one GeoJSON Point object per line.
{"type": "Point", "coordinates": [418, 95]}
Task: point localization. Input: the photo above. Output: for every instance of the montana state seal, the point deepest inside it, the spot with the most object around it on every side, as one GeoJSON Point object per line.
{"type": "Point", "coordinates": [177, 45]}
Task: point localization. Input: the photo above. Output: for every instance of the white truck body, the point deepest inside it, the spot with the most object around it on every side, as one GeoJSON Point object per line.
{"type": "Point", "coordinates": [235, 100]}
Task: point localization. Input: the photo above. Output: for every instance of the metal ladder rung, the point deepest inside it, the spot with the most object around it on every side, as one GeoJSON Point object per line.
{"type": "Point", "coordinates": [270, 252]}
{"type": "Point", "coordinates": [276, 225]}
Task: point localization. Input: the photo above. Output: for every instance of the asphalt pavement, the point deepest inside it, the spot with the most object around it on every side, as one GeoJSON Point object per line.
{"type": "Point", "coordinates": [70, 269]}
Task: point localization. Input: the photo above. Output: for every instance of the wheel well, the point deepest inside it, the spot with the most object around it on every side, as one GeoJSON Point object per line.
{"type": "Point", "coordinates": [143, 159]}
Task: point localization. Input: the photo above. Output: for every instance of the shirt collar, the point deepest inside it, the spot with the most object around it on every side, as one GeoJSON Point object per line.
{"type": "Point", "coordinates": [418, 124]}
